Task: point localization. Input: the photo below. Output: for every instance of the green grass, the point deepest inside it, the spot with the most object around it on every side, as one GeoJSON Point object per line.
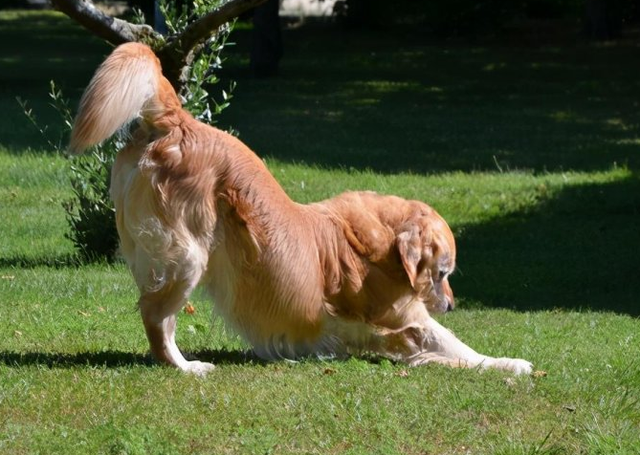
{"type": "Point", "coordinates": [530, 153]}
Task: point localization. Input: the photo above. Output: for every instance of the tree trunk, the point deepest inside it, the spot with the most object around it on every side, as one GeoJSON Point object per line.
{"type": "Point", "coordinates": [266, 49]}
{"type": "Point", "coordinates": [602, 19]}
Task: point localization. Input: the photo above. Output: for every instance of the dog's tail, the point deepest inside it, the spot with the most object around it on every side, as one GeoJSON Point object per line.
{"type": "Point", "coordinates": [128, 84]}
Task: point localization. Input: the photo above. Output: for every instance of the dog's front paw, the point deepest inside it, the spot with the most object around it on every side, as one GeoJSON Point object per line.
{"type": "Point", "coordinates": [516, 366]}
{"type": "Point", "coordinates": [198, 368]}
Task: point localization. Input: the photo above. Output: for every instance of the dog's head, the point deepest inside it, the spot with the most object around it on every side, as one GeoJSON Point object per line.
{"type": "Point", "coordinates": [428, 254]}
{"type": "Point", "coordinates": [407, 240]}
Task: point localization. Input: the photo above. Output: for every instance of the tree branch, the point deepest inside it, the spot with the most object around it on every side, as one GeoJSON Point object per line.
{"type": "Point", "coordinates": [208, 24]}
{"type": "Point", "coordinates": [114, 30]}
{"type": "Point", "coordinates": [177, 52]}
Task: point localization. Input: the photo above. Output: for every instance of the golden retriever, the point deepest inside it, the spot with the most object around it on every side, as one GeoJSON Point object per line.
{"type": "Point", "coordinates": [355, 273]}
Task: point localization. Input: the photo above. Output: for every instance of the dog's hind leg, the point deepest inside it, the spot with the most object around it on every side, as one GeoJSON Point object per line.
{"type": "Point", "coordinates": [164, 291]}
{"type": "Point", "coordinates": [158, 309]}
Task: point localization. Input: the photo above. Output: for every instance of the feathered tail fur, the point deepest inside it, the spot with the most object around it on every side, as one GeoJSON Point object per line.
{"type": "Point", "coordinates": [127, 85]}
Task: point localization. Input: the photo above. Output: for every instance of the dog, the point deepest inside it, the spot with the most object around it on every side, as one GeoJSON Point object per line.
{"type": "Point", "coordinates": [194, 205]}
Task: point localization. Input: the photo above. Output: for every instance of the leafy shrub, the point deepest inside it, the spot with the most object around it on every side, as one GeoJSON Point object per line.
{"type": "Point", "coordinates": [90, 212]}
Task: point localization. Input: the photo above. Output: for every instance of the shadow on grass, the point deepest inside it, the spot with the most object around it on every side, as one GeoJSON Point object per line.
{"type": "Point", "coordinates": [38, 47]}
{"type": "Point", "coordinates": [579, 250]}
{"type": "Point", "coordinates": [31, 262]}
{"type": "Point", "coordinates": [409, 105]}
{"type": "Point", "coordinates": [389, 102]}
{"type": "Point", "coordinates": [118, 359]}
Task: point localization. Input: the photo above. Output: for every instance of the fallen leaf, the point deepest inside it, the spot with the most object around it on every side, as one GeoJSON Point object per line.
{"type": "Point", "coordinates": [329, 371]}
{"type": "Point", "coordinates": [189, 308]}
{"type": "Point", "coordinates": [8, 277]}
{"type": "Point", "coordinates": [402, 373]}
{"type": "Point", "coordinates": [539, 374]}
{"type": "Point", "coordinates": [84, 313]}
{"type": "Point", "coordinates": [17, 333]}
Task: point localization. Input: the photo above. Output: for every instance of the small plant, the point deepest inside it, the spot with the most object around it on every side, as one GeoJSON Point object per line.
{"type": "Point", "coordinates": [90, 212]}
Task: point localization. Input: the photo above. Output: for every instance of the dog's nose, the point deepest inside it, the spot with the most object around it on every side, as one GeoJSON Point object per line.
{"type": "Point", "coordinates": [448, 296]}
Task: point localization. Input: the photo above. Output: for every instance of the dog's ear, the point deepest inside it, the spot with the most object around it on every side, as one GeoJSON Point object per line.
{"type": "Point", "coordinates": [415, 253]}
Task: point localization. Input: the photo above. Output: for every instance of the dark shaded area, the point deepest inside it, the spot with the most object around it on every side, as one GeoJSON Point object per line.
{"type": "Point", "coordinates": [29, 262]}
{"type": "Point", "coordinates": [578, 250]}
{"type": "Point", "coordinates": [117, 359]}
{"type": "Point", "coordinates": [599, 19]}
{"type": "Point", "coordinates": [266, 47]}
{"type": "Point", "coordinates": [36, 49]}
{"type": "Point", "coordinates": [388, 101]}
{"type": "Point", "coordinates": [109, 359]}
{"type": "Point", "coordinates": [25, 4]}
{"type": "Point", "coordinates": [39, 47]}
{"type": "Point", "coordinates": [392, 103]}
{"type": "Point", "coordinates": [607, 19]}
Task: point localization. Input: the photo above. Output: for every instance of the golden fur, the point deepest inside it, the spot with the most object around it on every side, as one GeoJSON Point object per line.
{"type": "Point", "coordinates": [194, 205]}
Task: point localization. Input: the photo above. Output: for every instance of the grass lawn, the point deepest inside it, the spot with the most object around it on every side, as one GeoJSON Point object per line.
{"type": "Point", "coordinates": [531, 153]}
